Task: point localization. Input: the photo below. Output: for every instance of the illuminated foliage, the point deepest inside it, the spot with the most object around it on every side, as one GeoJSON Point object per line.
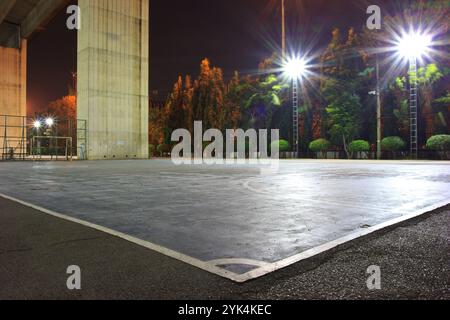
{"type": "Point", "coordinates": [64, 108]}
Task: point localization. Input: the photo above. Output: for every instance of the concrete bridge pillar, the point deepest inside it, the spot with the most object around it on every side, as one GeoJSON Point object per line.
{"type": "Point", "coordinates": [13, 89]}
{"type": "Point", "coordinates": [113, 62]}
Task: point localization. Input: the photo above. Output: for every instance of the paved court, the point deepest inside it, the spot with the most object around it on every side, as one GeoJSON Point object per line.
{"type": "Point", "coordinates": [231, 220]}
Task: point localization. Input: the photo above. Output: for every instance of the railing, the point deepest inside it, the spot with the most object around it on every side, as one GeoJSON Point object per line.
{"type": "Point", "coordinates": [372, 155]}
{"type": "Point", "coordinates": [17, 132]}
{"type": "Point", "coordinates": [52, 148]}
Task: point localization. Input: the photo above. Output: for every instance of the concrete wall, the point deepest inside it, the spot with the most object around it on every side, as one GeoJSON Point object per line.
{"type": "Point", "coordinates": [13, 82]}
{"type": "Point", "coordinates": [113, 58]}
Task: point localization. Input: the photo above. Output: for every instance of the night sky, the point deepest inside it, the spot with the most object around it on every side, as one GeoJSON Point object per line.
{"type": "Point", "coordinates": [233, 34]}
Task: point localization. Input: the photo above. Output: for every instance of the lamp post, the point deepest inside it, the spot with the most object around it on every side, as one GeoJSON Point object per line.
{"type": "Point", "coordinates": [295, 69]}
{"type": "Point", "coordinates": [283, 29]}
{"type": "Point", "coordinates": [37, 124]}
{"type": "Point", "coordinates": [412, 46]}
{"type": "Point", "coordinates": [377, 93]}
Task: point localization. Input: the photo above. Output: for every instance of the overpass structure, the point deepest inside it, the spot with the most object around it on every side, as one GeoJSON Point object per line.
{"type": "Point", "coordinates": [113, 69]}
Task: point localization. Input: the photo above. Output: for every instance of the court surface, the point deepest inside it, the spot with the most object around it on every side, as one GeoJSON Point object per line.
{"type": "Point", "coordinates": [231, 219]}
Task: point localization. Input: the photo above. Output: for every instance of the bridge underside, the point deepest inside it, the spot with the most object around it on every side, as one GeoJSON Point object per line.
{"type": "Point", "coordinates": [112, 70]}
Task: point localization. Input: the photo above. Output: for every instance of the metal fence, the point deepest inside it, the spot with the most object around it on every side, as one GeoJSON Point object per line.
{"type": "Point", "coordinates": [372, 155]}
{"type": "Point", "coordinates": [18, 132]}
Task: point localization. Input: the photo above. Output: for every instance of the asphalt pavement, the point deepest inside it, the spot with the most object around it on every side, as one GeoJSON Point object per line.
{"type": "Point", "coordinates": [36, 249]}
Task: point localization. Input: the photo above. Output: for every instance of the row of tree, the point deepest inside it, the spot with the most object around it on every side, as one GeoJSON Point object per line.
{"type": "Point", "coordinates": [335, 103]}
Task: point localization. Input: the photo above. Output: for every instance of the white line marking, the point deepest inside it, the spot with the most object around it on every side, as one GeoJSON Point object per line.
{"type": "Point", "coordinates": [333, 244]}
{"type": "Point", "coordinates": [247, 262]}
{"type": "Point", "coordinates": [240, 278]}
{"type": "Point", "coordinates": [165, 251]}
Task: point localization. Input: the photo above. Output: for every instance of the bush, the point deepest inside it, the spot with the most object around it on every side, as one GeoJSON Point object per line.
{"type": "Point", "coordinates": [440, 143]}
{"type": "Point", "coordinates": [163, 149]}
{"type": "Point", "coordinates": [151, 150]}
{"type": "Point", "coordinates": [320, 145]}
{"type": "Point", "coordinates": [393, 144]}
{"type": "Point", "coordinates": [283, 145]}
{"type": "Point", "coordinates": [359, 146]}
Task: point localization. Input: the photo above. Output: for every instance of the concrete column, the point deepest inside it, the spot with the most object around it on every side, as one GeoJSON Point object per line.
{"type": "Point", "coordinates": [13, 90]}
{"type": "Point", "coordinates": [113, 60]}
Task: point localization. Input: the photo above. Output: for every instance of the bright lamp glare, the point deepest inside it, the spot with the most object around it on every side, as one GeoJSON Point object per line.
{"type": "Point", "coordinates": [49, 122]}
{"type": "Point", "coordinates": [414, 45]}
{"type": "Point", "coordinates": [295, 68]}
{"type": "Point", "coordinates": [37, 124]}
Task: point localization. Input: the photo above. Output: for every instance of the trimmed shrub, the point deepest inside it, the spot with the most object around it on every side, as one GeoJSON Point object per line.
{"type": "Point", "coordinates": [393, 144]}
{"type": "Point", "coordinates": [320, 145]}
{"type": "Point", "coordinates": [151, 150]}
{"type": "Point", "coordinates": [163, 149]}
{"type": "Point", "coordinates": [283, 145]}
{"type": "Point", "coordinates": [441, 144]}
{"type": "Point", "coordinates": [358, 146]}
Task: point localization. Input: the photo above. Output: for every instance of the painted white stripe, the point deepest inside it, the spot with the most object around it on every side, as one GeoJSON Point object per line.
{"type": "Point", "coordinates": [212, 265]}
{"type": "Point", "coordinates": [333, 244]}
{"type": "Point", "coordinates": [165, 251]}
{"type": "Point", "coordinates": [234, 261]}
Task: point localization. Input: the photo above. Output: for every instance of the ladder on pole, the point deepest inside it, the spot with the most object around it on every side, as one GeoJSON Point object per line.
{"type": "Point", "coordinates": [295, 118]}
{"type": "Point", "coordinates": [413, 108]}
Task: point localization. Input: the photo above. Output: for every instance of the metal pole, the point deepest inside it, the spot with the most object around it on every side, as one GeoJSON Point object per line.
{"type": "Point", "coordinates": [283, 29]}
{"type": "Point", "coordinates": [379, 133]}
{"type": "Point", "coordinates": [295, 117]}
{"type": "Point", "coordinates": [5, 139]}
{"type": "Point", "coordinates": [413, 107]}
{"type": "Point", "coordinates": [23, 143]}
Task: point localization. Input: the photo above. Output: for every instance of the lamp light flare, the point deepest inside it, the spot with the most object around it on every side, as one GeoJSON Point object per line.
{"type": "Point", "coordinates": [295, 68]}
{"type": "Point", "coordinates": [414, 45]}
{"type": "Point", "coordinates": [49, 122]}
{"type": "Point", "coordinates": [37, 124]}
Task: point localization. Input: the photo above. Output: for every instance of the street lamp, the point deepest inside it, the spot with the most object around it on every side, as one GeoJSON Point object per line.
{"type": "Point", "coordinates": [37, 124]}
{"type": "Point", "coordinates": [49, 122]}
{"type": "Point", "coordinates": [295, 69]}
{"type": "Point", "coordinates": [412, 47]}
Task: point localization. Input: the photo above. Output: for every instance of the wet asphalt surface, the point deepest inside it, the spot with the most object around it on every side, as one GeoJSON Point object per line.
{"type": "Point", "coordinates": [36, 249]}
{"type": "Point", "coordinates": [217, 213]}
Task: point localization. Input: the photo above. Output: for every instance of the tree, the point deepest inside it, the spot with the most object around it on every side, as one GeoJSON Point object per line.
{"type": "Point", "coordinates": [64, 108]}
{"type": "Point", "coordinates": [175, 114]}
{"type": "Point", "coordinates": [401, 109]}
{"type": "Point", "coordinates": [233, 101]}
{"type": "Point", "coordinates": [188, 95]}
{"type": "Point", "coordinates": [426, 77]}
{"type": "Point", "coordinates": [208, 97]}
{"type": "Point", "coordinates": [260, 106]}
{"type": "Point", "coordinates": [443, 104]}
{"type": "Point", "coordinates": [344, 83]}
{"type": "Point", "coordinates": [343, 113]}
{"type": "Point", "coordinates": [157, 123]}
